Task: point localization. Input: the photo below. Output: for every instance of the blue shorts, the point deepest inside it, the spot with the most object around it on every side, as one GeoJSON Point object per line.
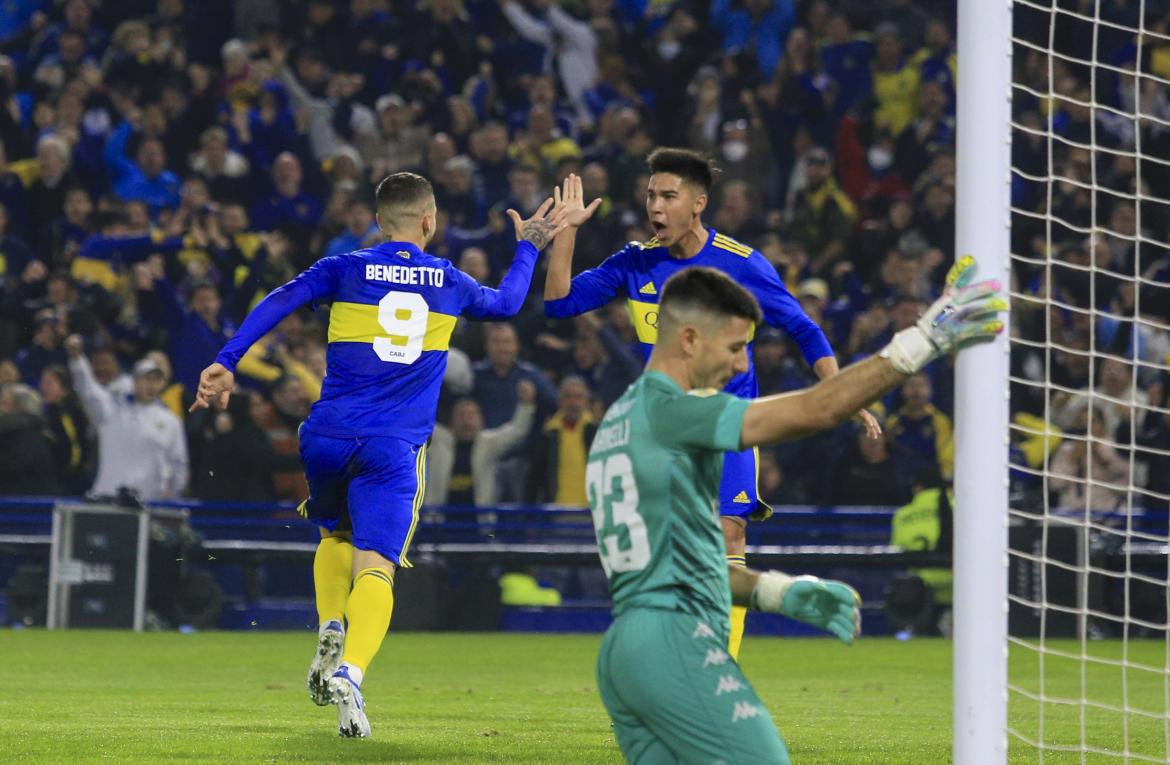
{"type": "Point", "coordinates": [739, 494]}
{"type": "Point", "coordinates": [372, 486]}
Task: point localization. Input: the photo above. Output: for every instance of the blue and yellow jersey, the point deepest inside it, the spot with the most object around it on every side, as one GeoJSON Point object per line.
{"type": "Point", "coordinates": [640, 269]}
{"type": "Point", "coordinates": [393, 310]}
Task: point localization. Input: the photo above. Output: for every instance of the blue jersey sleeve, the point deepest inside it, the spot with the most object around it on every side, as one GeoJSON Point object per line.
{"type": "Point", "coordinates": [318, 282]}
{"type": "Point", "coordinates": [481, 302]}
{"type": "Point", "coordinates": [591, 289]}
{"type": "Point", "coordinates": [782, 310]}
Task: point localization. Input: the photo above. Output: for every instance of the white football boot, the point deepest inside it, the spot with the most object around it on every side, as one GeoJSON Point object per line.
{"type": "Point", "coordinates": [351, 708]}
{"type": "Point", "coordinates": [330, 642]}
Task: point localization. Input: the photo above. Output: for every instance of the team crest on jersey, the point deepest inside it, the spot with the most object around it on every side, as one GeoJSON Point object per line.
{"type": "Point", "coordinates": [403, 254]}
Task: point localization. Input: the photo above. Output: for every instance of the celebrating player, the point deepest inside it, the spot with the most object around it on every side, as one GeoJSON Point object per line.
{"type": "Point", "coordinates": [363, 444]}
{"type": "Point", "coordinates": [652, 477]}
{"type": "Point", "coordinates": [675, 199]}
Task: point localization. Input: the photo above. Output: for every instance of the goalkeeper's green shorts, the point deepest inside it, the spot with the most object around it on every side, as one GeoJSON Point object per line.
{"type": "Point", "coordinates": [675, 696]}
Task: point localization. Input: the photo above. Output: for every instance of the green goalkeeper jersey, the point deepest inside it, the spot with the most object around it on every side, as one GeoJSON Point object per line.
{"type": "Point", "coordinates": [653, 484]}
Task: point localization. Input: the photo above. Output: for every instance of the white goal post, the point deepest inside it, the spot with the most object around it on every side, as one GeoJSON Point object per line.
{"type": "Point", "coordinates": [1062, 463]}
{"type": "Point", "coordinates": [982, 179]}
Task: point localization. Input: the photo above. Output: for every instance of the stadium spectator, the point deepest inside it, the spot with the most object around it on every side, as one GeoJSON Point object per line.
{"type": "Point", "coordinates": [141, 444]}
{"type": "Point", "coordinates": [359, 228]}
{"type": "Point", "coordinates": [45, 348]}
{"type": "Point", "coordinates": [895, 82]}
{"type": "Point", "coordinates": [232, 457]}
{"type": "Point", "coordinates": [918, 432]}
{"type": "Point", "coordinates": [571, 47]}
{"type": "Point", "coordinates": [226, 172]}
{"type": "Point", "coordinates": [290, 406]}
{"type": "Point", "coordinates": [287, 203]}
{"type": "Point", "coordinates": [495, 391]}
{"type": "Point", "coordinates": [26, 464]}
{"type": "Point", "coordinates": [1083, 475]}
{"type": "Point", "coordinates": [757, 28]}
{"type": "Point", "coordinates": [45, 197]}
{"type": "Point", "coordinates": [558, 455]}
{"type": "Point", "coordinates": [823, 216]}
{"type": "Point", "coordinates": [145, 178]}
{"type": "Point", "coordinates": [463, 459]}
{"type": "Point", "coordinates": [865, 474]}
{"type": "Point", "coordinates": [72, 439]}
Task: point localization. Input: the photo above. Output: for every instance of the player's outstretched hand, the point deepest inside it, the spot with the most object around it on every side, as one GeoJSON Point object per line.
{"type": "Point", "coordinates": [965, 313]}
{"type": "Point", "coordinates": [825, 603]}
{"type": "Point", "coordinates": [571, 199]}
{"type": "Point", "coordinates": [542, 227]}
{"type": "Point", "coordinates": [215, 387]}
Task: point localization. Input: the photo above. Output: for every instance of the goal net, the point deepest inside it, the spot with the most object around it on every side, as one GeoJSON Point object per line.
{"type": "Point", "coordinates": [1089, 653]}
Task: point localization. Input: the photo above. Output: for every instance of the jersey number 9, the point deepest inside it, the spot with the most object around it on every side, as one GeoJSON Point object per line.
{"type": "Point", "coordinates": [404, 317]}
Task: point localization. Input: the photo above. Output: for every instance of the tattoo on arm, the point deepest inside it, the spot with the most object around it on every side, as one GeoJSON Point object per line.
{"type": "Point", "coordinates": [539, 232]}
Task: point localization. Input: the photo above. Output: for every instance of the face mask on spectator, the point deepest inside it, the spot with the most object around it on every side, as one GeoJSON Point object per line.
{"type": "Point", "coordinates": [668, 49]}
{"type": "Point", "coordinates": [735, 151]}
{"type": "Point", "coordinates": [880, 158]}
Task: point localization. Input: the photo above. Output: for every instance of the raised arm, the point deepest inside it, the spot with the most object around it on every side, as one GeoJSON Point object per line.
{"type": "Point", "coordinates": [527, 25]}
{"type": "Point", "coordinates": [783, 310]}
{"type": "Point", "coordinates": [558, 281]}
{"type": "Point", "coordinates": [317, 283]}
{"type": "Point", "coordinates": [532, 236]}
{"type": "Point", "coordinates": [97, 401]}
{"type": "Point", "coordinates": [962, 314]}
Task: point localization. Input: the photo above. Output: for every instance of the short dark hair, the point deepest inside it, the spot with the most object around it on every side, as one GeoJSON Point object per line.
{"type": "Point", "coordinates": [398, 193]}
{"type": "Point", "coordinates": [689, 165]}
{"type": "Point", "coordinates": [710, 291]}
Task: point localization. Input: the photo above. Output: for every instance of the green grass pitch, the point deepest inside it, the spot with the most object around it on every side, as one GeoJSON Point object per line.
{"type": "Point", "coordinates": [490, 698]}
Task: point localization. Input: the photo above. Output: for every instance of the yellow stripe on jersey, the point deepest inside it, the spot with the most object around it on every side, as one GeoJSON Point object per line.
{"type": "Point", "coordinates": [645, 319]}
{"type": "Point", "coordinates": [358, 323]}
{"type": "Point", "coordinates": [729, 244]}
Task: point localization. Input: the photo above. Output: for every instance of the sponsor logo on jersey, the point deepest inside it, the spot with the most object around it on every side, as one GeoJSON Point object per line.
{"type": "Point", "coordinates": [648, 289]}
{"type": "Point", "coordinates": [743, 711]}
{"type": "Point", "coordinates": [742, 498]}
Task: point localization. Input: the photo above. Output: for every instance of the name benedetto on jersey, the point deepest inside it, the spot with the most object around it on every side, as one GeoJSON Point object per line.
{"type": "Point", "coordinates": [393, 310]}
{"type": "Point", "coordinates": [652, 479]}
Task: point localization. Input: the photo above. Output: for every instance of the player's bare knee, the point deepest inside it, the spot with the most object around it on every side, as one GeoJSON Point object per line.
{"type": "Point", "coordinates": [364, 559]}
{"type": "Point", "coordinates": [734, 534]}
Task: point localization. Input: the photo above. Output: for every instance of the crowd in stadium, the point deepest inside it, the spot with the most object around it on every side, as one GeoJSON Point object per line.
{"type": "Point", "coordinates": [165, 164]}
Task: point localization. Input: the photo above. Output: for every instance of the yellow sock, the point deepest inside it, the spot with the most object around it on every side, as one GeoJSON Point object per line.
{"type": "Point", "coordinates": [368, 610]}
{"type": "Point", "coordinates": [738, 615]}
{"type": "Point", "coordinates": [332, 566]}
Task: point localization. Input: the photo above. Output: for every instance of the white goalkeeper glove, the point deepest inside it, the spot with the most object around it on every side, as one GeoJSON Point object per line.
{"type": "Point", "coordinates": [964, 313]}
{"type": "Point", "coordinates": [824, 603]}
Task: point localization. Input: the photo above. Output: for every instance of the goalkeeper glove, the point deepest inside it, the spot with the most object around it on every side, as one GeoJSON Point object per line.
{"type": "Point", "coordinates": [965, 312]}
{"type": "Point", "coordinates": [824, 603]}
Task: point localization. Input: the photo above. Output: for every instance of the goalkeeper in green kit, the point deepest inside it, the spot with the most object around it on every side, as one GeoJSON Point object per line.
{"type": "Point", "coordinates": [672, 691]}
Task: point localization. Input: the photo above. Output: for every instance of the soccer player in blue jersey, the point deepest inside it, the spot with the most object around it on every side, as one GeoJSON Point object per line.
{"type": "Point", "coordinates": [364, 443]}
{"type": "Point", "coordinates": [676, 196]}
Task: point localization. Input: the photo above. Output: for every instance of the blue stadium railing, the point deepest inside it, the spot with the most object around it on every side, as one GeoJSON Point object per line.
{"type": "Point", "coordinates": [260, 554]}
{"type": "Point", "coordinates": [28, 519]}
